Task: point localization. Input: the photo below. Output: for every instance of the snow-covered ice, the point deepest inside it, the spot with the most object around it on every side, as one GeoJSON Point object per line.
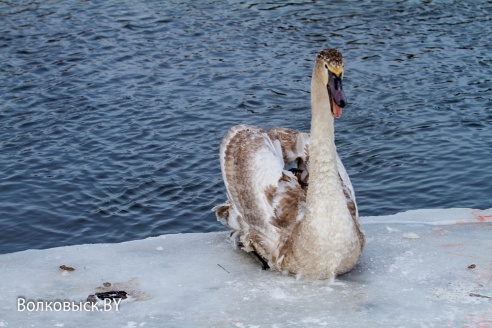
{"type": "Point", "coordinates": [424, 268]}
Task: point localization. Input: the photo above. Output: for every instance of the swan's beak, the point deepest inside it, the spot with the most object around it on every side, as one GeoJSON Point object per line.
{"type": "Point", "coordinates": [335, 90]}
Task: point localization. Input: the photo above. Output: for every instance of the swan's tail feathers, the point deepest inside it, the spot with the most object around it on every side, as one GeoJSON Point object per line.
{"type": "Point", "coordinates": [235, 237]}
{"type": "Point", "coordinates": [226, 215]}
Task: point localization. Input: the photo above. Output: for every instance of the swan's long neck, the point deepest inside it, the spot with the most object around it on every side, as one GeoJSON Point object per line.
{"type": "Point", "coordinates": [327, 240]}
{"type": "Point", "coordinates": [327, 211]}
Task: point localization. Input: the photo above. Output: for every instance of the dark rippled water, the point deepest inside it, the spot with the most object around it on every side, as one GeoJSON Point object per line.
{"type": "Point", "coordinates": [111, 112]}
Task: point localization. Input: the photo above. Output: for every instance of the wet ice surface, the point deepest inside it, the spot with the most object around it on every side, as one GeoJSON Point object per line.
{"type": "Point", "coordinates": [424, 268]}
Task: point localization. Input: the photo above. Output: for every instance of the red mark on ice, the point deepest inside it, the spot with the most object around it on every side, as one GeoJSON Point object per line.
{"type": "Point", "coordinates": [484, 218]}
{"type": "Point", "coordinates": [480, 320]}
{"type": "Point", "coordinates": [452, 245]}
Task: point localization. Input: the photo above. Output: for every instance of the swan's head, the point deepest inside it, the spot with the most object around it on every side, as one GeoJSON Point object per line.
{"type": "Point", "coordinates": [330, 63]}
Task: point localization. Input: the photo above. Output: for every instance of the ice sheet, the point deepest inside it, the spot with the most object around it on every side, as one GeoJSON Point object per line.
{"type": "Point", "coordinates": [425, 268]}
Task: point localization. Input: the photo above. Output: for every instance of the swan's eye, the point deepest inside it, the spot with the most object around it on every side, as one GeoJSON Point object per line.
{"type": "Point", "coordinates": [326, 66]}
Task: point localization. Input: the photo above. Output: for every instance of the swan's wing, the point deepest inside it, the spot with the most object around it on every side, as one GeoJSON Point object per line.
{"type": "Point", "coordinates": [251, 167]}
{"type": "Point", "coordinates": [348, 189]}
{"type": "Point", "coordinates": [264, 200]}
{"type": "Point", "coordinates": [251, 163]}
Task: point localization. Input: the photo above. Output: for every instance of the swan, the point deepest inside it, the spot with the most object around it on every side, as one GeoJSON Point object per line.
{"type": "Point", "coordinates": [290, 202]}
